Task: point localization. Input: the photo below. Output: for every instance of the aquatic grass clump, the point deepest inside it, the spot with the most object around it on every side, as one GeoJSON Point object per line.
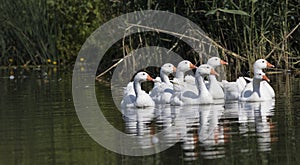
{"type": "Point", "coordinates": [46, 31]}
{"type": "Point", "coordinates": [27, 36]}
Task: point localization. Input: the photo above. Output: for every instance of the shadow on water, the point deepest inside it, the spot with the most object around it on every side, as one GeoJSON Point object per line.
{"type": "Point", "coordinates": [39, 125]}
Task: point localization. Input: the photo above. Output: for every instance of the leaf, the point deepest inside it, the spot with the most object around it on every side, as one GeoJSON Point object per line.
{"type": "Point", "coordinates": [237, 12]}
{"type": "Point", "coordinates": [211, 12]}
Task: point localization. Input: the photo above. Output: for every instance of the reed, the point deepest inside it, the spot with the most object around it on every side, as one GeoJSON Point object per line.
{"type": "Point", "coordinates": [46, 31]}
{"type": "Point", "coordinates": [253, 29]}
{"type": "Point", "coordinates": [39, 32]}
{"type": "Point", "coordinates": [26, 35]}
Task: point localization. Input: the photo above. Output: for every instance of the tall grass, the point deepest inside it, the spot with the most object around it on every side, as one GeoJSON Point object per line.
{"type": "Point", "coordinates": [36, 31]}
{"type": "Point", "coordinates": [262, 30]}
{"type": "Point", "coordinates": [26, 34]}
{"type": "Point", "coordinates": [46, 31]}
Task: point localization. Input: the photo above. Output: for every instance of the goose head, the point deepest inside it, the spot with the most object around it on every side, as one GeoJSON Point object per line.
{"type": "Point", "coordinates": [204, 70]}
{"type": "Point", "coordinates": [262, 64]}
{"type": "Point", "coordinates": [185, 66]}
{"type": "Point", "coordinates": [216, 61]}
{"type": "Point", "coordinates": [142, 76]}
{"type": "Point", "coordinates": [168, 68]}
{"type": "Point", "coordinates": [261, 76]}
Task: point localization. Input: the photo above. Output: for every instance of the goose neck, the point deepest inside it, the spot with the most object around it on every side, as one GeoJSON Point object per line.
{"type": "Point", "coordinates": [256, 69]}
{"type": "Point", "coordinates": [256, 86]}
{"type": "Point", "coordinates": [212, 79]}
{"type": "Point", "coordinates": [137, 87]}
{"type": "Point", "coordinates": [200, 84]}
{"type": "Point", "coordinates": [164, 78]}
{"type": "Point", "coordinates": [180, 75]}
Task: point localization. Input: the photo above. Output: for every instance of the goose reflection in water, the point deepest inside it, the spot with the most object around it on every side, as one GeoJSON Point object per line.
{"type": "Point", "coordinates": [188, 121]}
{"type": "Point", "coordinates": [261, 113]}
{"type": "Point", "coordinates": [203, 130]}
{"type": "Point", "coordinates": [198, 125]}
{"type": "Point", "coordinates": [150, 121]}
{"type": "Point", "coordinates": [254, 119]}
{"type": "Point", "coordinates": [211, 134]}
{"type": "Point", "coordinates": [138, 123]}
{"type": "Point", "coordinates": [159, 125]}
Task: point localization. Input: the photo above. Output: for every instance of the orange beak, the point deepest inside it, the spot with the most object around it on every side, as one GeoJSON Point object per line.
{"type": "Point", "coordinates": [192, 66]}
{"type": "Point", "coordinates": [266, 78]}
{"type": "Point", "coordinates": [149, 78]}
{"type": "Point", "coordinates": [269, 65]}
{"type": "Point", "coordinates": [213, 72]}
{"type": "Point", "coordinates": [174, 69]}
{"type": "Point", "coordinates": [222, 62]}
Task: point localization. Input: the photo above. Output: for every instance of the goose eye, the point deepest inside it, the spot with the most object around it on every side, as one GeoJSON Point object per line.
{"type": "Point", "coordinates": [144, 74]}
{"type": "Point", "coordinates": [207, 67]}
{"type": "Point", "coordinates": [185, 62]}
{"type": "Point", "coordinates": [259, 74]}
{"type": "Point", "coordinates": [216, 59]}
{"type": "Point", "coordinates": [170, 66]}
{"type": "Point", "coordinates": [263, 61]}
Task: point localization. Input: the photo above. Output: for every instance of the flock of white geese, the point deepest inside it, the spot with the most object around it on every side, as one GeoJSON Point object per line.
{"type": "Point", "coordinates": [193, 90]}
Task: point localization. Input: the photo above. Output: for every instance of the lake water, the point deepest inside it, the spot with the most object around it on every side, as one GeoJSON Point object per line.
{"type": "Point", "coordinates": [39, 125]}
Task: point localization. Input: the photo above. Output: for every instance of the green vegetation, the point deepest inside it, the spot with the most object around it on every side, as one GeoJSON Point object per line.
{"type": "Point", "coordinates": [46, 31]}
{"type": "Point", "coordinates": [52, 31]}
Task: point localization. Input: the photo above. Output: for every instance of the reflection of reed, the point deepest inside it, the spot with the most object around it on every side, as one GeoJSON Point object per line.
{"type": "Point", "coordinates": [287, 103]}
{"type": "Point", "coordinates": [287, 86]}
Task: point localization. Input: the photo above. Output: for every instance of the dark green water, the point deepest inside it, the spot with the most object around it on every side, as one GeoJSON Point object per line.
{"type": "Point", "coordinates": [39, 125]}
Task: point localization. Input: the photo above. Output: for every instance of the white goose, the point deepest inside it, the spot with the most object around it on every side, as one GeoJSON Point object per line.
{"type": "Point", "coordinates": [258, 66]}
{"type": "Point", "coordinates": [134, 96]}
{"type": "Point", "coordinates": [162, 91]}
{"type": "Point", "coordinates": [179, 84]}
{"type": "Point", "coordinates": [254, 91]}
{"type": "Point", "coordinates": [234, 89]}
{"type": "Point", "coordinates": [214, 86]}
{"type": "Point", "coordinates": [183, 67]}
{"type": "Point", "coordinates": [203, 96]}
